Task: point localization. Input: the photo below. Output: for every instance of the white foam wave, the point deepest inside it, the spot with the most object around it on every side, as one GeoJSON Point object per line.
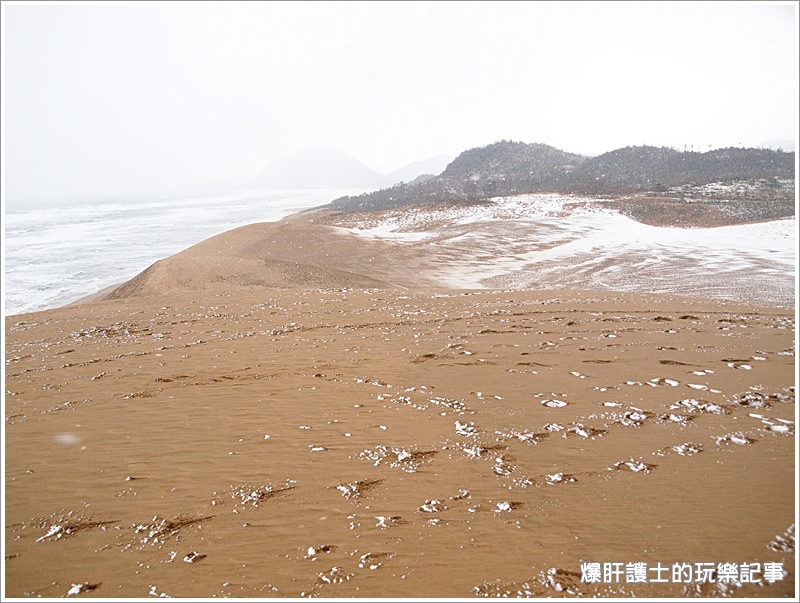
{"type": "Point", "coordinates": [54, 256]}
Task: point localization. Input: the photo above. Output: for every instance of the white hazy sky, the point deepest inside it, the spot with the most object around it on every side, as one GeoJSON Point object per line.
{"type": "Point", "coordinates": [122, 99]}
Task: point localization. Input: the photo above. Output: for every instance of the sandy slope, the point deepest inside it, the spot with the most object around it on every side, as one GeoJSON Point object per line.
{"type": "Point", "coordinates": [295, 409]}
{"type": "Point", "coordinates": [290, 253]}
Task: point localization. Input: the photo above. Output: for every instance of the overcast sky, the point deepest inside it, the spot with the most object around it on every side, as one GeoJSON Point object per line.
{"type": "Point", "coordinates": [130, 98]}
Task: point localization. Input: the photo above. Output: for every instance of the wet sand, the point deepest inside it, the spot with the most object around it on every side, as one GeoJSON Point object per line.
{"type": "Point", "coordinates": [247, 421]}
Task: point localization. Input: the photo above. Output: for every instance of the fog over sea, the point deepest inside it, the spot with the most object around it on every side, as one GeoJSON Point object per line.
{"type": "Point", "coordinates": [57, 255]}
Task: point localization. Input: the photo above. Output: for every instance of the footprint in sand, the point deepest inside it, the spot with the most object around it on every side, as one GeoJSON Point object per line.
{"type": "Point", "coordinates": [373, 561]}
{"type": "Point", "coordinates": [250, 495]}
{"type": "Point", "coordinates": [656, 381]}
{"type": "Point", "coordinates": [686, 449]}
{"type": "Point", "coordinates": [432, 506]}
{"type": "Point", "coordinates": [554, 403]}
{"type": "Point", "coordinates": [193, 557]}
{"type": "Point", "coordinates": [478, 451]}
{"type": "Point", "coordinates": [701, 406]}
{"type": "Point", "coordinates": [739, 363]}
{"type": "Point", "coordinates": [758, 399]}
{"type": "Point", "coordinates": [783, 543]}
{"type": "Point", "coordinates": [312, 553]}
{"type": "Point", "coordinates": [559, 478]}
{"type": "Point", "coordinates": [632, 418]}
{"type": "Point", "coordinates": [504, 465]}
{"type": "Point", "coordinates": [583, 431]}
{"type": "Point", "coordinates": [160, 529]}
{"type": "Point", "coordinates": [702, 387]}
{"type": "Point", "coordinates": [636, 466]}
{"type": "Point", "coordinates": [527, 437]}
{"type": "Point", "coordinates": [466, 429]}
{"type": "Point", "coordinates": [72, 524]}
{"type": "Point", "coordinates": [388, 521]}
{"type": "Point", "coordinates": [335, 575]}
{"type": "Point", "coordinates": [781, 428]}
{"type": "Point", "coordinates": [355, 490]}
{"type": "Point", "coordinates": [507, 506]}
{"type": "Point", "coordinates": [408, 460]}
{"type": "Point", "coordinates": [82, 587]}
{"type": "Point", "coordinates": [675, 418]}
{"type": "Point", "coordinates": [738, 438]}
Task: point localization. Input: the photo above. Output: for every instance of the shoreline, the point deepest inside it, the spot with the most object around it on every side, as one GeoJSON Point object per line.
{"type": "Point", "coordinates": [355, 253]}
{"type": "Point", "coordinates": [504, 267]}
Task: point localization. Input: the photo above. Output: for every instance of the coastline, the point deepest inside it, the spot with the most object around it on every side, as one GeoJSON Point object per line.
{"type": "Point", "coordinates": [533, 242]}
{"type": "Point", "coordinates": [455, 246]}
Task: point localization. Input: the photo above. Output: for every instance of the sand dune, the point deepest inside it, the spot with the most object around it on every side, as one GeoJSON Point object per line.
{"type": "Point", "coordinates": [290, 253]}
{"type": "Point", "coordinates": [293, 410]}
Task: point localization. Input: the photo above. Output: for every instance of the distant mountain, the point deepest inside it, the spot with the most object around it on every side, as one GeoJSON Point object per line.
{"type": "Point", "coordinates": [331, 168]}
{"type": "Point", "coordinates": [510, 168]}
{"type": "Point", "coordinates": [502, 168]}
{"type": "Point", "coordinates": [779, 143]}
{"type": "Point", "coordinates": [638, 169]}
{"type": "Point", "coordinates": [317, 168]}
{"type": "Point", "coordinates": [429, 167]}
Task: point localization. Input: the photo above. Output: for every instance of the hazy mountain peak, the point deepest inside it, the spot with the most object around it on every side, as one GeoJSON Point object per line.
{"type": "Point", "coordinates": [434, 165]}
{"type": "Point", "coordinates": [326, 167]}
{"type": "Point", "coordinates": [318, 168]}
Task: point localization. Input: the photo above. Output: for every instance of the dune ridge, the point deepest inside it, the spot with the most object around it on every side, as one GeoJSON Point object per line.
{"type": "Point", "coordinates": [289, 253]}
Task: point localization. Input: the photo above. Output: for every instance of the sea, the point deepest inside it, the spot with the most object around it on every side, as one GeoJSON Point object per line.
{"type": "Point", "coordinates": [54, 256]}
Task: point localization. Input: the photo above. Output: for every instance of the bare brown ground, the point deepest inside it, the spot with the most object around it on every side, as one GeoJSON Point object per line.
{"type": "Point", "coordinates": [394, 443]}
{"type": "Point", "coordinates": [290, 410]}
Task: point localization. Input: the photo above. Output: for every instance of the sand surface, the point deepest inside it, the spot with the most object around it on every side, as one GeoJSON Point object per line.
{"type": "Point", "coordinates": [293, 410]}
